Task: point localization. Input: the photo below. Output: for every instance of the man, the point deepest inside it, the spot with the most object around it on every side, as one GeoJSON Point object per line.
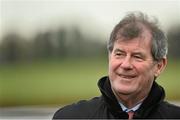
{"type": "Point", "coordinates": [137, 56]}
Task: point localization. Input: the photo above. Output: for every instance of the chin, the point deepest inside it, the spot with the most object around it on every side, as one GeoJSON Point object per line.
{"type": "Point", "coordinates": [124, 92]}
{"type": "Point", "coordinates": [123, 89]}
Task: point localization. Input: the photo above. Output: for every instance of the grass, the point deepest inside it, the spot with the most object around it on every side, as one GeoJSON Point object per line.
{"type": "Point", "coordinates": [50, 81]}
{"type": "Point", "coordinates": [169, 79]}
{"type": "Point", "coordinates": [65, 81]}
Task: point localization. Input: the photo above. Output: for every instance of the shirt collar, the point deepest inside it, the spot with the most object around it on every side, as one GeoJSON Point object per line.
{"type": "Point", "coordinates": [125, 109]}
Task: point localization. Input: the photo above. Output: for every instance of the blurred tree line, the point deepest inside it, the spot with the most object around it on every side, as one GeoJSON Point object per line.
{"type": "Point", "coordinates": [64, 43]}
{"type": "Point", "coordinates": [60, 43]}
{"type": "Point", "coordinates": [174, 41]}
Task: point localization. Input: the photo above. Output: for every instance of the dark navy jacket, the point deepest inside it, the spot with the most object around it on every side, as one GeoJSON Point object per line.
{"type": "Point", "coordinates": [107, 107]}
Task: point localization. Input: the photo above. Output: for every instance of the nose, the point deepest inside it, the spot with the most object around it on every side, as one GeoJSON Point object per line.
{"type": "Point", "coordinates": [126, 63]}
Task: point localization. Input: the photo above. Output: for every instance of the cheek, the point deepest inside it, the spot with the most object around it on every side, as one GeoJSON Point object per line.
{"type": "Point", "coordinates": [146, 74]}
{"type": "Point", "coordinates": [113, 65]}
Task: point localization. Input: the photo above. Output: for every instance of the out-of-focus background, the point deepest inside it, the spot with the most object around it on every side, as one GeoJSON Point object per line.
{"type": "Point", "coordinates": [52, 52]}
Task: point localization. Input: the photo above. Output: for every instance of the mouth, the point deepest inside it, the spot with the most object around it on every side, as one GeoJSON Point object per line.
{"type": "Point", "coordinates": [127, 76]}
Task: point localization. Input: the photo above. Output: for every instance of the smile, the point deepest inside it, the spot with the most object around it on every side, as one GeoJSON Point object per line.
{"type": "Point", "coordinates": [127, 76]}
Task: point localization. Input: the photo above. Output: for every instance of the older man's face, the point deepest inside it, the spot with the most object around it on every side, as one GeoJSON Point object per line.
{"type": "Point", "coordinates": [131, 66]}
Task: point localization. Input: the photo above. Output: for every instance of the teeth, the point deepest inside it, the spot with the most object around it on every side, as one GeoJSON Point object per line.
{"type": "Point", "coordinates": [124, 76]}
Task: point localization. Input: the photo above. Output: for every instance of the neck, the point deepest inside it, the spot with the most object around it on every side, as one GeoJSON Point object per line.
{"type": "Point", "coordinates": [130, 100]}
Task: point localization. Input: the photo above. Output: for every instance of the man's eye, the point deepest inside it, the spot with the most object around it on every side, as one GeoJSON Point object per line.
{"type": "Point", "coordinates": [118, 54]}
{"type": "Point", "coordinates": [136, 56]}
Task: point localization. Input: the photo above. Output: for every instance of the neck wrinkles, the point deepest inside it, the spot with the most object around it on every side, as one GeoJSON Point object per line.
{"type": "Point", "coordinates": [130, 100]}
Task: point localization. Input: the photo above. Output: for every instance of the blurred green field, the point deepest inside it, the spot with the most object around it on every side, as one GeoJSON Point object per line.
{"type": "Point", "coordinates": [65, 81]}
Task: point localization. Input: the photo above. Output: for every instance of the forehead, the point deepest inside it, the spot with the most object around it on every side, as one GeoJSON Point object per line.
{"type": "Point", "coordinates": [143, 40]}
{"type": "Point", "coordinates": [141, 43]}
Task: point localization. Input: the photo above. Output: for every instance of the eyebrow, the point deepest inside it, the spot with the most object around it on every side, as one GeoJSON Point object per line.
{"type": "Point", "coordinates": [119, 50]}
{"type": "Point", "coordinates": [136, 52]}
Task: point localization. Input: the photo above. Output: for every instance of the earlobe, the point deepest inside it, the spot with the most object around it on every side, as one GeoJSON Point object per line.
{"type": "Point", "coordinates": [160, 66]}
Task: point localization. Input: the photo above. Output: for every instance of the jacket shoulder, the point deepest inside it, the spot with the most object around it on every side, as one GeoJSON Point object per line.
{"type": "Point", "coordinates": [170, 110]}
{"type": "Point", "coordinates": [81, 109]}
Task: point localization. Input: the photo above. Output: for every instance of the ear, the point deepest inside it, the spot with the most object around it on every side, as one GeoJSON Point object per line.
{"type": "Point", "coordinates": [160, 66]}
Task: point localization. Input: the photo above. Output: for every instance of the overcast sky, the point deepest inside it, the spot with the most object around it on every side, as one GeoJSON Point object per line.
{"type": "Point", "coordinates": [27, 16]}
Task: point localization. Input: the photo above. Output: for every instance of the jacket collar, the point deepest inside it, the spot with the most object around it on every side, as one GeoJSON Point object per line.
{"type": "Point", "coordinates": [155, 96]}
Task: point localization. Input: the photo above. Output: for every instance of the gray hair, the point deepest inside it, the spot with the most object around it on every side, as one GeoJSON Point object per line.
{"type": "Point", "coordinates": [130, 27]}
